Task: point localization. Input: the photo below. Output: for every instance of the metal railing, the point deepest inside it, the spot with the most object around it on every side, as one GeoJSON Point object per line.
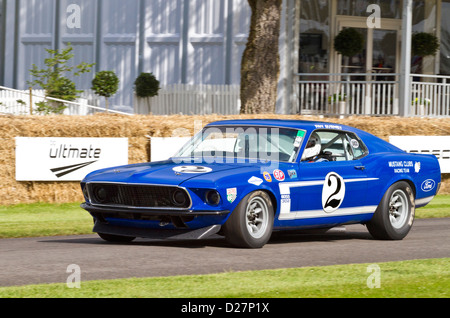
{"type": "Point", "coordinates": [348, 93]}
{"type": "Point", "coordinates": [430, 95]}
{"type": "Point", "coordinates": [371, 94]}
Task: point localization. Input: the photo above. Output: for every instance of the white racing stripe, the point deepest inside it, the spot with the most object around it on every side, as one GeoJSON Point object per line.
{"type": "Point", "coordinates": [299, 215]}
{"type": "Point", "coordinates": [287, 214]}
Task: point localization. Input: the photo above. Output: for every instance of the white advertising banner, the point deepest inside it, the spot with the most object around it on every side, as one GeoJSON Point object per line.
{"type": "Point", "coordinates": [431, 145]}
{"type": "Point", "coordinates": [67, 159]}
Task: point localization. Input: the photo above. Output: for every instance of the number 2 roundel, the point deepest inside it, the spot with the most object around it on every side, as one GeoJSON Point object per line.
{"type": "Point", "coordinates": [333, 192]}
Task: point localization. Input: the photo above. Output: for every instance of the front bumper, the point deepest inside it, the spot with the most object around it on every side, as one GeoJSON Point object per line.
{"type": "Point", "coordinates": [150, 212]}
{"type": "Point", "coordinates": [159, 234]}
{"type": "Point", "coordinates": [152, 223]}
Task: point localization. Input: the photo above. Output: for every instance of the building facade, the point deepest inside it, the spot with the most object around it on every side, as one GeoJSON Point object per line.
{"type": "Point", "coordinates": [202, 41]}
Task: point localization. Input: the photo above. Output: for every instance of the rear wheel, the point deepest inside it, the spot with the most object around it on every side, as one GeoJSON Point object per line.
{"type": "Point", "coordinates": [394, 216]}
{"type": "Point", "coordinates": [251, 224]}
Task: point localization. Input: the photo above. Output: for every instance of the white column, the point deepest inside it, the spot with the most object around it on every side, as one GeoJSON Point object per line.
{"type": "Point", "coordinates": [405, 77]}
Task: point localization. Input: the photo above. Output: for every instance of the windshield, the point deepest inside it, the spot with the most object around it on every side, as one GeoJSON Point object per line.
{"type": "Point", "coordinates": [227, 143]}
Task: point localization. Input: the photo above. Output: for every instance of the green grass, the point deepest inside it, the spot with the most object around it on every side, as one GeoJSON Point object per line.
{"type": "Point", "coordinates": [41, 219]}
{"type": "Point", "coordinates": [438, 208]}
{"type": "Point", "coordinates": [418, 278]}
{"type": "Point", "coordinates": [36, 220]}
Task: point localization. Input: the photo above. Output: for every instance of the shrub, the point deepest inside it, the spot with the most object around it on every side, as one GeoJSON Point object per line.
{"type": "Point", "coordinates": [106, 84]}
{"type": "Point", "coordinates": [424, 44]}
{"type": "Point", "coordinates": [146, 85]}
{"type": "Point", "coordinates": [349, 42]}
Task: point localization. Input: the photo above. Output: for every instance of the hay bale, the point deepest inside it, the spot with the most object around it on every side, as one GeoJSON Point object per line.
{"type": "Point", "coordinates": [140, 128]}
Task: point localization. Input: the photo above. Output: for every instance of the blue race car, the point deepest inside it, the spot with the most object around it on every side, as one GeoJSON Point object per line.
{"type": "Point", "coordinates": [245, 179]}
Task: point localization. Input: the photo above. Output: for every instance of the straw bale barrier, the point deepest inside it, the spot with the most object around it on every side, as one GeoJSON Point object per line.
{"type": "Point", "coordinates": [139, 129]}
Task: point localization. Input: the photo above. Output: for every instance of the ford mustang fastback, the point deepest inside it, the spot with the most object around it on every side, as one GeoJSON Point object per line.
{"type": "Point", "coordinates": [245, 179]}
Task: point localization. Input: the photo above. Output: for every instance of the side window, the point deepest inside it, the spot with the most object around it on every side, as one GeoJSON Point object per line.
{"type": "Point", "coordinates": [326, 146]}
{"type": "Point", "coordinates": [356, 148]}
{"type": "Point", "coordinates": [334, 144]}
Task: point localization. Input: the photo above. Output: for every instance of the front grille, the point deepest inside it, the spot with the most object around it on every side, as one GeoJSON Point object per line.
{"type": "Point", "coordinates": [140, 196]}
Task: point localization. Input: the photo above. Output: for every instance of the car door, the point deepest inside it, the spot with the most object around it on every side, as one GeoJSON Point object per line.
{"type": "Point", "coordinates": [331, 184]}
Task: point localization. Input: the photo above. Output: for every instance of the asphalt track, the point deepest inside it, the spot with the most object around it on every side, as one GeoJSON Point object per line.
{"type": "Point", "coordinates": [45, 260]}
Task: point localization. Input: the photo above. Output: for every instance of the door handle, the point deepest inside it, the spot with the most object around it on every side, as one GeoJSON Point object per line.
{"type": "Point", "coordinates": [362, 168]}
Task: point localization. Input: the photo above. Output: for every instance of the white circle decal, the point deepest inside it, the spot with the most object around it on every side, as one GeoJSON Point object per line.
{"type": "Point", "coordinates": [333, 192]}
{"type": "Point", "coordinates": [192, 169]}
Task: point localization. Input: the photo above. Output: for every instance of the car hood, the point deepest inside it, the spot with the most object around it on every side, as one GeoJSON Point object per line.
{"type": "Point", "coordinates": [165, 172]}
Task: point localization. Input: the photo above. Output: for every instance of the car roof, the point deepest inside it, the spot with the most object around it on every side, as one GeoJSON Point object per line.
{"type": "Point", "coordinates": [297, 124]}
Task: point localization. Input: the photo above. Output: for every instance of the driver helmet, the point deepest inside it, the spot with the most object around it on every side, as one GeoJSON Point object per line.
{"type": "Point", "coordinates": [313, 147]}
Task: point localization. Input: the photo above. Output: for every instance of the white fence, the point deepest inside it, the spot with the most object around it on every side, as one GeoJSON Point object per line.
{"type": "Point", "coordinates": [172, 99]}
{"type": "Point", "coordinates": [16, 102]}
{"type": "Point", "coordinates": [192, 100]}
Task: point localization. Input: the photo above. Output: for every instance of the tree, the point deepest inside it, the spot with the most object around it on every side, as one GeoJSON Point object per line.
{"type": "Point", "coordinates": [146, 86]}
{"type": "Point", "coordinates": [53, 79]}
{"type": "Point", "coordinates": [261, 61]}
{"type": "Point", "coordinates": [106, 84]}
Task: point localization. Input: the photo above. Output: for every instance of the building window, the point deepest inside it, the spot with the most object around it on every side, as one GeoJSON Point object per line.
{"type": "Point", "coordinates": [314, 36]}
{"type": "Point", "coordinates": [424, 20]}
{"type": "Point", "coordinates": [445, 38]}
{"type": "Point", "coordinates": [390, 9]}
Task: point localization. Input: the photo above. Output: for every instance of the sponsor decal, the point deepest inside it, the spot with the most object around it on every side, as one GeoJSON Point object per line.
{"type": "Point", "coordinates": [354, 143]}
{"type": "Point", "coordinates": [298, 141]}
{"type": "Point", "coordinates": [255, 180]}
{"type": "Point", "coordinates": [279, 175]}
{"type": "Point", "coordinates": [292, 174]}
{"type": "Point", "coordinates": [328, 126]}
{"type": "Point", "coordinates": [231, 195]}
{"type": "Point", "coordinates": [192, 169]}
{"type": "Point", "coordinates": [401, 166]}
{"type": "Point", "coordinates": [333, 192]}
{"type": "Point", "coordinates": [428, 185]}
{"type": "Point", "coordinates": [417, 167]}
{"type": "Point", "coordinates": [267, 176]}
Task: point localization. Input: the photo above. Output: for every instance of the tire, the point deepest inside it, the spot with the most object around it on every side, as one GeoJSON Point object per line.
{"type": "Point", "coordinates": [251, 223]}
{"type": "Point", "coordinates": [116, 238]}
{"type": "Point", "coordinates": [394, 217]}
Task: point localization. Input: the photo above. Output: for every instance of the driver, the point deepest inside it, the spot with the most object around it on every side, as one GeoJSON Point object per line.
{"type": "Point", "coordinates": [313, 151]}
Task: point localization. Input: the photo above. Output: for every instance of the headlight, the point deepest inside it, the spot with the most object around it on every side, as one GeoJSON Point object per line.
{"type": "Point", "coordinates": [212, 197]}
{"type": "Point", "coordinates": [179, 198]}
{"type": "Point", "coordinates": [100, 194]}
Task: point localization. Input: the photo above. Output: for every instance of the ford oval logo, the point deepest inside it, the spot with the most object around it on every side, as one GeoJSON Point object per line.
{"type": "Point", "coordinates": [428, 185]}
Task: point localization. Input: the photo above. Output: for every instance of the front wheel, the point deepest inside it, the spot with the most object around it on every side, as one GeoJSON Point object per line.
{"type": "Point", "coordinates": [394, 217]}
{"type": "Point", "coordinates": [251, 224]}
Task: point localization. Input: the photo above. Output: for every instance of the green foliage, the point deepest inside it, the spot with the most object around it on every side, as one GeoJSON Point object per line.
{"type": "Point", "coordinates": [349, 42]}
{"type": "Point", "coordinates": [105, 83]}
{"type": "Point", "coordinates": [53, 79]}
{"type": "Point", "coordinates": [424, 44]}
{"type": "Point", "coordinates": [146, 85]}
